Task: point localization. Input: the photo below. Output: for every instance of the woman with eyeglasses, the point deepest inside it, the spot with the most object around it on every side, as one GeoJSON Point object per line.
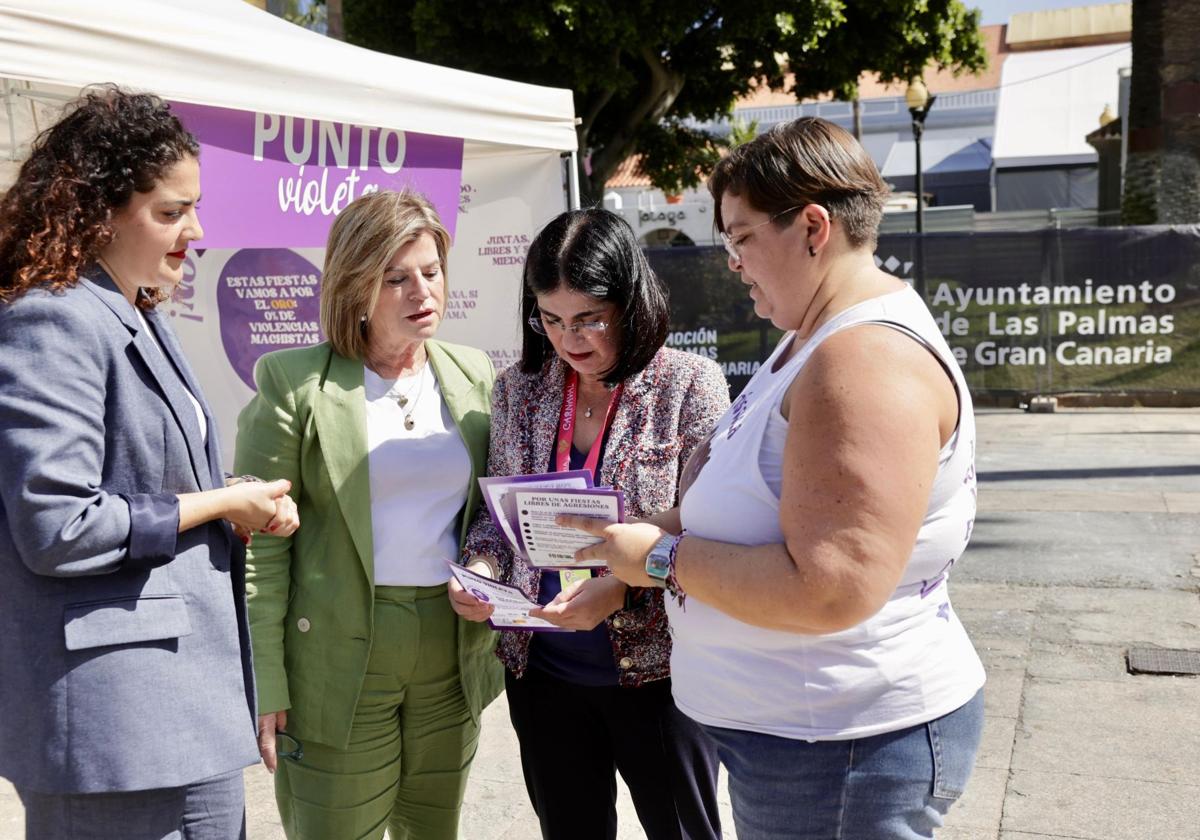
{"type": "Point", "coordinates": [595, 389]}
{"type": "Point", "coordinates": [808, 560]}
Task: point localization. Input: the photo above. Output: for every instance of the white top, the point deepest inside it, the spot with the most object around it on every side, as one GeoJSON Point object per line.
{"type": "Point", "coordinates": [909, 663]}
{"type": "Point", "coordinates": [418, 479]}
{"type": "Point", "coordinates": [200, 419]}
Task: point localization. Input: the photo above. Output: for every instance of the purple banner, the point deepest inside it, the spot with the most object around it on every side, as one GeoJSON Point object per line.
{"type": "Point", "coordinates": [271, 181]}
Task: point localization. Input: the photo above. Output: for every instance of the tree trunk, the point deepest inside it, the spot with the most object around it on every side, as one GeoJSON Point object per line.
{"type": "Point", "coordinates": [333, 20]}
{"type": "Point", "coordinates": [1179, 191]}
{"type": "Point", "coordinates": [1140, 204]}
{"type": "Point", "coordinates": [657, 98]}
{"type": "Point", "coordinates": [1162, 171]}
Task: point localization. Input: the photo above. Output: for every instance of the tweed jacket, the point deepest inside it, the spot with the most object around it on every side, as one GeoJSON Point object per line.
{"type": "Point", "coordinates": [311, 595]}
{"type": "Point", "coordinates": [664, 413]}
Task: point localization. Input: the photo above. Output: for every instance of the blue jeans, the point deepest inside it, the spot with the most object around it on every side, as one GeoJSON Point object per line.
{"type": "Point", "coordinates": [895, 786]}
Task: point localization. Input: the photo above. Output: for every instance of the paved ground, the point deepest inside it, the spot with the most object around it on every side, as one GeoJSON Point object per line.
{"type": "Point", "coordinates": [1087, 543]}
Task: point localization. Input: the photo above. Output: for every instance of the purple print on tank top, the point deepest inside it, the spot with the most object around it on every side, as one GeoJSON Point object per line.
{"type": "Point", "coordinates": [738, 413]}
{"type": "Point", "coordinates": [934, 582]}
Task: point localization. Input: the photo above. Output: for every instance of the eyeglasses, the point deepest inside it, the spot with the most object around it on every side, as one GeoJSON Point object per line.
{"type": "Point", "coordinates": [296, 750]}
{"type": "Point", "coordinates": [588, 328]}
{"type": "Point", "coordinates": [729, 246]}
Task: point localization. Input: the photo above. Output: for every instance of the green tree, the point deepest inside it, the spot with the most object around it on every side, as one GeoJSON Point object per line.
{"type": "Point", "coordinates": [741, 131]}
{"type": "Point", "coordinates": [311, 14]}
{"type": "Point", "coordinates": [647, 74]}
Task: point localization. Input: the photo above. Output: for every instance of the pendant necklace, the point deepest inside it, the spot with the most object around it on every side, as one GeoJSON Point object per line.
{"type": "Point", "coordinates": [587, 409]}
{"type": "Point", "coordinates": [402, 400]}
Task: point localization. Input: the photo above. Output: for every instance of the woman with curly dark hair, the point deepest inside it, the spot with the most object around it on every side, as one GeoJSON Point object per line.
{"type": "Point", "coordinates": [126, 691]}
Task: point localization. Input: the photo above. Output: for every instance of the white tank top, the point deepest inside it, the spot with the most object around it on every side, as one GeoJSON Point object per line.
{"type": "Point", "coordinates": [909, 663]}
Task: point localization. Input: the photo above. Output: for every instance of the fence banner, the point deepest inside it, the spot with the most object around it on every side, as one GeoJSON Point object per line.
{"type": "Point", "coordinates": [1091, 309]}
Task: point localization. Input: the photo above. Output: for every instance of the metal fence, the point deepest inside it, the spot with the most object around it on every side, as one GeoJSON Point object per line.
{"type": "Point", "coordinates": [1042, 311]}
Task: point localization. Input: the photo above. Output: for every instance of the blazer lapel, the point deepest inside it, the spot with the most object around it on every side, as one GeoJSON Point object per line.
{"type": "Point", "coordinates": [469, 407]}
{"type": "Point", "coordinates": [212, 441]}
{"type": "Point", "coordinates": [170, 345]}
{"type": "Point", "coordinates": [546, 401]}
{"type": "Point", "coordinates": [340, 413]}
{"type": "Point", "coordinates": [165, 375]}
{"type": "Point", "coordinates": [620, 434]}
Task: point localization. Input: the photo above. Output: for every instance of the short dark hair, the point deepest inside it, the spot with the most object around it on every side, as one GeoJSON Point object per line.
{"type": "Point", "coordinates": [595, 252]}
{"type": "Point", "coordinates": [55, 220]}
{"type": "Point", "coordinates": [805, 161]}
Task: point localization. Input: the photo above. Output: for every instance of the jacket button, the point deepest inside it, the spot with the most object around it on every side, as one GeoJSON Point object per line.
{"type": "Point", "coordinates": [618, 623]}
{"type": "Point", "coordinates": [303, 625]}
{"type": "Point", "coordinates": [626, 663]}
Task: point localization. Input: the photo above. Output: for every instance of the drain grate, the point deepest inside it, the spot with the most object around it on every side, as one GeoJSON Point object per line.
{"type": "Point", "coordinates": [1163, 661]}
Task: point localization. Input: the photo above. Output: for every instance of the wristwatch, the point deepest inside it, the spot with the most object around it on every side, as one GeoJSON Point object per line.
{"type": "Point", "coordinates": [658, 561]}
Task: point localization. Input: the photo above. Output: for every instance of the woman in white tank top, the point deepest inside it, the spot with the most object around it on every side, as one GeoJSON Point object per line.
{"type": "Point", "coordinates": [813, 633]}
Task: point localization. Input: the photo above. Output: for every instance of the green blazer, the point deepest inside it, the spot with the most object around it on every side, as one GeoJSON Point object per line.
{"type": "Point", "coordinates": [311, 595]}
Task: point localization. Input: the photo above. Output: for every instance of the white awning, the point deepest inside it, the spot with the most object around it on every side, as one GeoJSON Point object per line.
{"type": "Point", "coordinates": [1051, 99]}
{"type": "Point", "coordinates": [228, 54]}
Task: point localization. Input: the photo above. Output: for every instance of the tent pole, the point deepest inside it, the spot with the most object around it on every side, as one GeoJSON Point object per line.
{"type": "Point", "coordinates": [573, 182]}
{"type": "Point", "coordinates": [12, 127]}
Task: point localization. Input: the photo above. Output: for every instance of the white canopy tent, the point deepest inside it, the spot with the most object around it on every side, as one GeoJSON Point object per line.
{"type": "Point", "coordinates": [228, 54]}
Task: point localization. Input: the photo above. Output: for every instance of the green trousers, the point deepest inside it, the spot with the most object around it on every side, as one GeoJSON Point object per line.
{"type": "Point", "coordinates": [411, 743]}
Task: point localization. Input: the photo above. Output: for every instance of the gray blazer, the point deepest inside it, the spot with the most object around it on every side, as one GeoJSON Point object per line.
{"type": "Point", "coordinates": [124, 650]}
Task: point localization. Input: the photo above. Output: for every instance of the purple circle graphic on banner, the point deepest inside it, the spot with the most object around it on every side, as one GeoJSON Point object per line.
{"type": "Point", "coordinates": [268, 300]}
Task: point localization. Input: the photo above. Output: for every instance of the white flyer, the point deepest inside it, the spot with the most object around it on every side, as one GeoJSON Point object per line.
{"type": "Point", "coordinates": [550, 545]}
{"type": "Point", "coordinates": [497, 496]}
{"type": "Point", "coordinates": [512, 607]}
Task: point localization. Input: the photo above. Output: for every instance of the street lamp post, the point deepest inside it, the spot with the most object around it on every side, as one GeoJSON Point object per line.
{"type": "Point", "coordinates": [919, 101]}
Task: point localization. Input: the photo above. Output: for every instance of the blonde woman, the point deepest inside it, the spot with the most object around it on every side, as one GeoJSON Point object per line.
{"type": "Point", "coordinates": [382, 431]}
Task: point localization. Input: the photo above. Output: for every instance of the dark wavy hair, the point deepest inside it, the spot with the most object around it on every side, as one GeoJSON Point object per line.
{"type": "Point", "coordinates": [55, 219]}
{"type": "Point", "coordinates": [595, 252]}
